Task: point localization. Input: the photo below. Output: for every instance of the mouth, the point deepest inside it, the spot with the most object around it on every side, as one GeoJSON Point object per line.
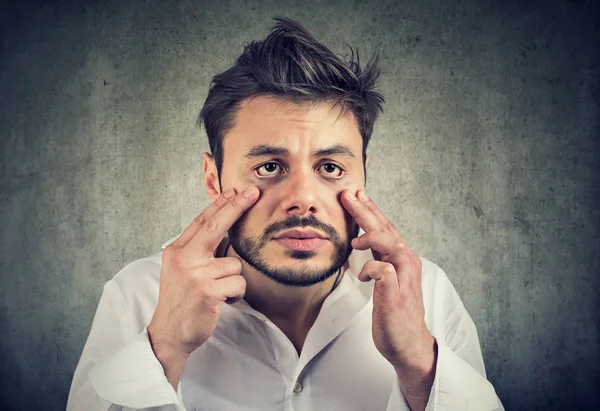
{"type": "Point", "coordinates": [301, 240]}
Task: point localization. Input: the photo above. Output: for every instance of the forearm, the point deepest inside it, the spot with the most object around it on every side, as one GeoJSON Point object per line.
{"type": "Point", "coordinates": [416, 378]}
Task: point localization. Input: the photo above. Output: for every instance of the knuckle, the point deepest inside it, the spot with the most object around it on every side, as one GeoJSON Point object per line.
{"type": "Point", "coordinates": [210, 225]}
{"type": "Point", "coordinates": [236, 204]}
{"type": "Point", "coordinates": [224, 266]}
{"type": "Point", "coordinates": [369, 265]}
{"type": "Point", "coordinates": [240, 283]}
{"type": "Point", "coordinates": [390, 226]}
{"type": "Point", "coordinates": [236, 265]}
{"type": "Point", "coordinates": [370, 205]}
{"type": "Point", "coordinates": [199, 220]}
{"type": "Point", "coordinates": [389, 269]}
{"type": "Point", "coordinates": [400, 246]}
{"type": "Point", "coordinates": [221, 200]}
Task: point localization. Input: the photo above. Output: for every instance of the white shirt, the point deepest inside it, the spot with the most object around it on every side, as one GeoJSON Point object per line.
{"type": "Point", "coordinates": [249, 364]}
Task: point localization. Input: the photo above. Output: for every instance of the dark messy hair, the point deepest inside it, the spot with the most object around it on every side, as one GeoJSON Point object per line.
{"type": "Point", "coordinates": [290, 63]}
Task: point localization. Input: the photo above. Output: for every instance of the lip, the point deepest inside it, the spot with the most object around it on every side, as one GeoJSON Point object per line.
{"type": "Point", "coordinates": [301, 234]}
{"type": "Point", "coordinates": [301, 244]}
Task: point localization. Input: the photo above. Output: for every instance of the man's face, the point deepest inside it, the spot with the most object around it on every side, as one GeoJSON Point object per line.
{"type": "Point", "coordinates": [301, 158]}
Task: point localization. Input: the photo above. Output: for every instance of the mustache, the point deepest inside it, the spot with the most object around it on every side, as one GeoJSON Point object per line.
{"type": "Point", "coordinates": [295, 221]}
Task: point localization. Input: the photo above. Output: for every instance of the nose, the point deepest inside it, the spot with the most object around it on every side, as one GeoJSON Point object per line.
{"type": "Point", "coordinates": [299, 193]}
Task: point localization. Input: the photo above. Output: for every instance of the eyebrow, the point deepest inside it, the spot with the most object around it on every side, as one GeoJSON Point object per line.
{"type": "Point", "coordinates": [337, 150]}
{"type": "Point", "coordinates": [267, 150]}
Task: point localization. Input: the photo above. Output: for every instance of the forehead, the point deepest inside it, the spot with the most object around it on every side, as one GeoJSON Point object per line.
{"type": "Point", "coordinates": [267, 120]}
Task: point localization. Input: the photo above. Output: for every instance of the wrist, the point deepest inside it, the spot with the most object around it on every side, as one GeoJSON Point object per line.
{"type": "Point", "coordinates": [171, 358]}
{"type": "Point", "coordinates": [418, 372]}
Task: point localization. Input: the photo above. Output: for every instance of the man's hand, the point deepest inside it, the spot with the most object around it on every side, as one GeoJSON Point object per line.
{"type": "Point", "coordinates": [194, 284]}
{"type": "Point", "coordinates": [399, 330]}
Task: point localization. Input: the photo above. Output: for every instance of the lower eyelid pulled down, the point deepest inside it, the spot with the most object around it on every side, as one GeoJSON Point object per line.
{"type": "Point", "coordinates": [340, 170]}
{"type": "Point", "coordinates": [283, 170]}
{"type": "Point", "coordinates": [255, 170]}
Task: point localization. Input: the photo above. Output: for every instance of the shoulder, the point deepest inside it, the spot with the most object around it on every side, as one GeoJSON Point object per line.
{"type": "Point", "coordinates": [139, 272]}
{"type": "Point", "coordinates": [137, 283]}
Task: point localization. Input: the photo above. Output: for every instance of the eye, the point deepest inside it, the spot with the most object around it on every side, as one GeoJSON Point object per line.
{"type": "Point", "coordinates": [268, 169]}
{"type": "Point", "coordinates": [331, 170]}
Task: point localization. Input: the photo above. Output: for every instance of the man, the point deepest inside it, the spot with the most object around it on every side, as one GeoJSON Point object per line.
{"type": "Point", "coordinates": [270, 299]}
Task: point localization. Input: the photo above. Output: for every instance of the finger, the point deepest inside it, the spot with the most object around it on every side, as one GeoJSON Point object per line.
{"type": "Point", "coordinates": [217, 268]}
{"type": "Point", "coordinates": [370, 204]}
{"type": "Point", "coordinates": [359, 210]}
{"type": "Point", "coordinates": [231, 300]}
{"type": "Point", "coordinates": [378, 220]}
{"type": "Point", "coordinates": [208, 212]}
{"type": "Point", "coordinates": [386, 247]}
{"type": "Point", "coordinates": [230, 288]}
{"type": "Point", "coordinates": [383, 242]}
{"type": "Point", "coordinates": [210, 234]}
{"type": "Point", "coordinates": [384, 274]}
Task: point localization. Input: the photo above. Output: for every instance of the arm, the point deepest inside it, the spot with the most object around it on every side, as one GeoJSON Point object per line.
{"type": "Point", "coordinates": [424, 354]}
{"type": "Point", "coordinates": [117, 367]}
{"type": "Point", "coordinates": [460, 381]}
{"type": "Point", "coordinates": [124, 365]}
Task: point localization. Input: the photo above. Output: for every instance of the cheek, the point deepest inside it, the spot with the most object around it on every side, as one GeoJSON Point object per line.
{"type": "Point", "coordinates": [337, 215]}
{"type": "Point", "coordinates": [257, 217]}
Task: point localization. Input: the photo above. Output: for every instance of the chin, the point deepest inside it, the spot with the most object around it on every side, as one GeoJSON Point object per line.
{"type": "Point", "coordinates": [292, 258]}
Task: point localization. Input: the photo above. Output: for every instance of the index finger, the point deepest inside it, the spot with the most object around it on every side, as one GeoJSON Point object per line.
{"type": "Point", "coordinates": [210, 234]}
{"type": "Point", "coordinates": [362, 214]}
{"type": "Point", "coordinates": [201, 218]}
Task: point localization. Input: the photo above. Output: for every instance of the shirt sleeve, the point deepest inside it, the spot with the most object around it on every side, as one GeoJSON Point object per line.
{"type": "Point", "coordinates": [118, 369]}
{"type": "Point", "coordinates": [460, 382]}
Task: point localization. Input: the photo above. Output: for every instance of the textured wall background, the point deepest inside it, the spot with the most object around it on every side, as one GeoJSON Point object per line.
{"type": "Point", "coordinates": [486, 158]}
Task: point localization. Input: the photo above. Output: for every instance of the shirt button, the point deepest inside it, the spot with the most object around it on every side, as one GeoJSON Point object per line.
{"type": "Point", "coordinates": [297, 387]}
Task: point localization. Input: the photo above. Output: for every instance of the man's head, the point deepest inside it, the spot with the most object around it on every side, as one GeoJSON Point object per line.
{"type": "Point", "coordinates": [293, 119]}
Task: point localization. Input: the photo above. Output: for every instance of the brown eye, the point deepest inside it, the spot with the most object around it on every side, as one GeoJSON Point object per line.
{"type": "Point", "coordinates": [331, 170]}
{"type": "Point", "coordinates": [268, 169]}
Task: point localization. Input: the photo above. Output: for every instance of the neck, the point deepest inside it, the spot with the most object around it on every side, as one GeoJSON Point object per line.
{"type": "Point", "coordinates": [293, 309]}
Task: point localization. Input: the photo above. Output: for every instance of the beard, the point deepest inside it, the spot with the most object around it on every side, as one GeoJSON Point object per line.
{"type": "Point", "coordinates": [251, 250]}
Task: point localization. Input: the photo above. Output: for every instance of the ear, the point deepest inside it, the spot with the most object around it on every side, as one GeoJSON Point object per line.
{"type": "Point", "coordinates": [211, 178]}
{"type": "Point", "coordinates": [367, 160]}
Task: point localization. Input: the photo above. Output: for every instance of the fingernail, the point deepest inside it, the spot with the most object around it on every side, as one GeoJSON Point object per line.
{"type": "Point", "coordinates": [351, 196]}
{"type": "Point", "coordinates": [363, 196]}
{"type": "Point", "coordinates": [249, 192]}
{"type": "Point", "coordinates": [229, 193]}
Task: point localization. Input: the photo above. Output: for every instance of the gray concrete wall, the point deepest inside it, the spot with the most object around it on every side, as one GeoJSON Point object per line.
{"type": "Point", "coordinates": [486, 158]}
